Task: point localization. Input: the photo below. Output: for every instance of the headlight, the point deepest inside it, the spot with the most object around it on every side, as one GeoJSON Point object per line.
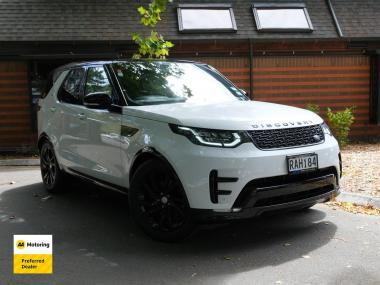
{"type": "Point", "coordinates": [207, 137]}
{"type": "Point", "coordinates": [326, 129]}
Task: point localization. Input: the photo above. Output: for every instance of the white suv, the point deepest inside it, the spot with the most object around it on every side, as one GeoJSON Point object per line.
{"type": "Point", "coordinates": [184, 142]}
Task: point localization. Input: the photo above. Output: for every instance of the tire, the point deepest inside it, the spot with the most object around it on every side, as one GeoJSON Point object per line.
{"type": "Point", "coordinates": [158, 203]}
{"type": "Point", "coordinates": [52, 176]}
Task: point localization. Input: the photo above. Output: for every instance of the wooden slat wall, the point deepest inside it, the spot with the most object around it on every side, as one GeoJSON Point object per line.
{"type": "Point", "coordinates": [235, 69]}
{"type": "Point", "coordinates": [15, 127]}
{"type": "Point", "coordinates": [329, 81]}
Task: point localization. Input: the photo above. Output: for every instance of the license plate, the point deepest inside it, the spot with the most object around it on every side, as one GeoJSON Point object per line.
{"type": "Point", "coordinates": [303, 162]}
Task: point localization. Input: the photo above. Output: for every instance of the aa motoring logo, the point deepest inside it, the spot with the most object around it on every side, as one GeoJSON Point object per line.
{"type": "Point", "coordinates": [20, 244]}
{"type": "Point", "coordinates": [33, 254]}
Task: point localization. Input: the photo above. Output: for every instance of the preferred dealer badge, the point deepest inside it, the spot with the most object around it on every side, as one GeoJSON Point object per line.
{"type": "Point", "coordinates": [32, 254]}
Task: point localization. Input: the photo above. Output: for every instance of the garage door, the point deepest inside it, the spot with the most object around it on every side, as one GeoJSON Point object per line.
{"type": "Point", "coordinates": [329, 81]}
{"type": "Point", "coordinates": [15, 129]}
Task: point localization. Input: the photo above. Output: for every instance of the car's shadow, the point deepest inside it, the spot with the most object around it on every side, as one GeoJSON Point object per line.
{"type": "Point", "coordinates": [94, 235]}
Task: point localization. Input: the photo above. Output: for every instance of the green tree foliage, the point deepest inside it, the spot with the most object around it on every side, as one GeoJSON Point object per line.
{"type": "Point", "coordinates": [313, 107]}
{"type": "Point", "coordinates": [340, 123]}
{"type": "Point", "coordinates": [153, 46]}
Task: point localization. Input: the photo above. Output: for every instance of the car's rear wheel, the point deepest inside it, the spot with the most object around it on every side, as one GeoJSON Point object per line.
{"type": "Point", "coordinates": [52, 175]}
{"type": "Point", "coordinates": [158, 202]}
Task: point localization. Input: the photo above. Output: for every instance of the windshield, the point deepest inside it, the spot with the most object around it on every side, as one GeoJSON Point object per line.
{"type": "Point", "coordinates": [158, 82]}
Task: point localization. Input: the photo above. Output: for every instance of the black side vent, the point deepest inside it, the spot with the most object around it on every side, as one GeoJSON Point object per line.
{"type": "Point", "coordinates": [214, 187]}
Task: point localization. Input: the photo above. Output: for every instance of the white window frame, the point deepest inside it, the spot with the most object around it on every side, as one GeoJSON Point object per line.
{"type": "Point", "coordinates": [274, 6]}
{"type": "Point", "coordinates": [221, 6]}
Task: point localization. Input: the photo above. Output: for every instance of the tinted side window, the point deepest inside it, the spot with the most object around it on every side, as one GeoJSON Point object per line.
{"type": "Point", "coordinates": [97, 81]}
{"type": "Point", "coordinates": [71, 88]}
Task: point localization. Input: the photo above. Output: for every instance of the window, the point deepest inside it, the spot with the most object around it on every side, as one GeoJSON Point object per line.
{"type": "Point", "coordinates": [153, 82]}
{"type": "Point", "coordinates": [282, 17]}
{"type": "Point", "coordinates": [71, 89]}
{"type": "Point", "coordinates": [206, 18]}
{"type": "Point", "coordinates": [97, 81]}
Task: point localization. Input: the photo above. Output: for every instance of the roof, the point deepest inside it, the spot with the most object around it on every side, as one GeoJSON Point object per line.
{"type": "Point", "coordinates": [358, 18]}
{"type": "Point", "coordinates": [102, 62]}
{"type": "Point", "coordinates": [115, 20]}
{"type": "Point", "coordinates": [57, 71]}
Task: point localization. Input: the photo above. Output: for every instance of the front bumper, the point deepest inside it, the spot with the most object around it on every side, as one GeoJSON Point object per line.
{"type": "Point", "coordinates": [235, 168]}
{"type": "Point", "coordinates": [279, 193]}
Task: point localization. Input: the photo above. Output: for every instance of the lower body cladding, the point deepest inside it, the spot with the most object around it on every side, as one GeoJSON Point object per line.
{"type": "Point", "coordinates": [274, 194]}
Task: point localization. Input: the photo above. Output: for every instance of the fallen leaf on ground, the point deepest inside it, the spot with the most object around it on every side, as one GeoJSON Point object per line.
{"type": "Point", "coordinates": [355, 208]}
{"type": "Point", "coordinates": [46, 198]}
{"type": "Point", "coordinates": [339, 239]}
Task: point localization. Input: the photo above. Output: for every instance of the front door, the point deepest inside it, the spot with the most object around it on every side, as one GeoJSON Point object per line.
{"type": "Point", "coordinates": [102, 148]}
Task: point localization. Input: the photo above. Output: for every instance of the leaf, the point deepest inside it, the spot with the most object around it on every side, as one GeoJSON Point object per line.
{"type": "Point", "coordinates": [169, 44]}
{"type": "Point", "coordinates": [356, 209]}
{"type": "Point", "coordinates": [141, 10]}
{"type": "Point", "coordinates": [46, 198]}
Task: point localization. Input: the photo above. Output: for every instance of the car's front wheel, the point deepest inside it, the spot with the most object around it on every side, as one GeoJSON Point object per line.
{"type": "Point", "coordinates": [52, 175]}
{"type": "Point", "coordinates": [158, 202]}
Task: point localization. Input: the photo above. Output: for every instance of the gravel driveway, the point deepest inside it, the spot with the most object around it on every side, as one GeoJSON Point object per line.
{"type": "Point", "coordinates": [361, 169]}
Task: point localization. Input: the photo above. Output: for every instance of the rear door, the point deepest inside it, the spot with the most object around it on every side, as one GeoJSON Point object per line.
{"type": "Point", "coordinates": [70, 127]}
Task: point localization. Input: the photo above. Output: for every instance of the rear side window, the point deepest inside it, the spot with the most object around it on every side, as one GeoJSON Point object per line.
{"type": "Point", "coordinates": [71, 88]}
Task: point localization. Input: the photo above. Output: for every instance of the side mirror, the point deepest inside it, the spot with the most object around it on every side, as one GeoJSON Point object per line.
{"type": "Point", "coordinates": [97, 100]}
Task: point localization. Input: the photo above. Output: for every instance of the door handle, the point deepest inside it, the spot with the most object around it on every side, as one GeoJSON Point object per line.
{"type": "Point", "coordinates": [52, 109]}
{"type": "Point", "coordinates": [81, 116]}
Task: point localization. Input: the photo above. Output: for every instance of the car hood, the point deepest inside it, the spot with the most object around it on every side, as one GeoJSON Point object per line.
{"type": "Point", "coordinates": [237, 115]}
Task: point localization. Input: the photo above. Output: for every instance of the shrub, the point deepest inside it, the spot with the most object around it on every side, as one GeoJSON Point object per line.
{"type": "Point", "coordinates": [340, 123]}
{"type": "Point", "coordinates": [312, 107]}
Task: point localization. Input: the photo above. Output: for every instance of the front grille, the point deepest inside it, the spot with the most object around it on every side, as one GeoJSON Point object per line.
{"type": "Point", "coordinates": [284, 138]}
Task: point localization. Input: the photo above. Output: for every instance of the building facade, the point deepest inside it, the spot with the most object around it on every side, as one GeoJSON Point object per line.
{"type": "Point", "coordinates": [324, 52]}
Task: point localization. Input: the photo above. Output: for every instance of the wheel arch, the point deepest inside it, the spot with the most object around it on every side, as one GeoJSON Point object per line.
{"type": "Point", "coordinates": [42, 138]}
{"type": "Point", "coordinates": [146, 154]}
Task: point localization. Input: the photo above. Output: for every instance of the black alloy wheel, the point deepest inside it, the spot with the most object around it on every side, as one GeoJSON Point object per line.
{"type": "Point", "coordinates": [52, 175]}
{"type": "Point", "coordinates": [48, 166]}
{"type": "Point", "coordinates": [158, 202]}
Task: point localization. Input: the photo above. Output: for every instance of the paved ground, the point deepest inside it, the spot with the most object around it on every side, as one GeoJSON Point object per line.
{"type": "Point", "coordinates": [95, 242]}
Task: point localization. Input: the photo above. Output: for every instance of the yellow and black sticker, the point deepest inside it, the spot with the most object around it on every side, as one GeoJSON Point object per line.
{"type": "Point", "coordinates": [33, 254]}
